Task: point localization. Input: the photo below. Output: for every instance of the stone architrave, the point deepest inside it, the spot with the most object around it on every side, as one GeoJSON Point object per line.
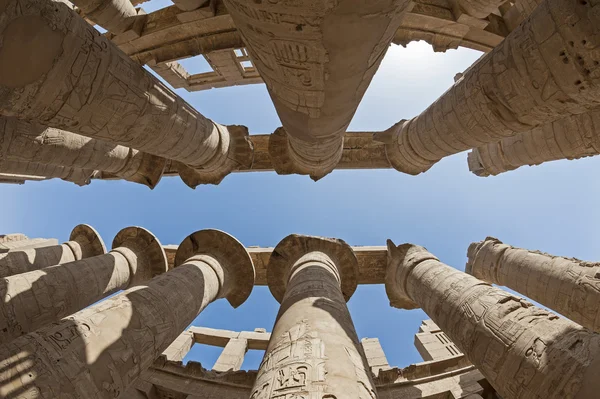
{"type": "Point", "coordinates": [572, 137]}
{"type": "Point", "coordinates": [314, 351]}
{"type": "Point", "coordinates": [28, 142]}
{"type": "Point", "coordinates": [545, 69]}
{"type": "Point", "coordinates": [81, 177]}
{"type": "Point", "coordinates": [525, 352]}
{"type": "Point", "coordinates": [100, 351]}
{"type": "Point", "coordinates": [570, 287]}
{"type": "Point", "coordinates": [40, 297]}
{"type": "Point", "coordinates": [232, 357]}
{"type": "Point", "coordinates": [84, 242]}
{"type": "Point", "coordinates": [58, 70]}
{"type": "Point", "coordinates": [317, 59]}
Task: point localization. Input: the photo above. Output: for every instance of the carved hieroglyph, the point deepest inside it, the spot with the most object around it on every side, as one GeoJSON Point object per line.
{"type": "Point", "coordinates": [84, 242]}
{"type": "Point", "coordinates": [572, 137]}
{"type": "Point", "coordinates": [82, 83]}
{"type": "Point", "coordinates": [29, 142]}
{"type": "Point", "coordinates": [317, 58]}
{"type": "Point", "coordinates": [314, 352]}
{"type": "Point", "coordinates": [525, 352]}
{"type": "Point", "coordinates": [546, 69]}
{"type": "Point", "coordinates": [569, 286]}
{"type": "Point", "coordinates": [40, 297]}
{"type": "Point", "coordinates": [100, 351]}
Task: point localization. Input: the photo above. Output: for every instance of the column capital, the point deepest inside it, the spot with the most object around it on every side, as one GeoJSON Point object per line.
{"type": "Point", "coordinates": [152, 260]}
{"type": "Point", "coordinates": [89, 240]}
{"type": "Point", "coordinates": [230, 254]}
{"type": "Point", "coordinates": [402, 259]}
{"type": "Point", "coordinates": [293, 247]}
{"type": "Point", "coordinates": [496, 248]}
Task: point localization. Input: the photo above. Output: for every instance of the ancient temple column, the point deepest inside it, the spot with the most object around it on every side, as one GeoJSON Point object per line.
{"type": "Point", "coordinates": [29, 142]}
{"type": "Point", "coordinates": [35, 299]}
{"type": "Point", "coordinates": [572, 137]}
{"type": "Point", "coordinates": [84, 242]}
{"type": "Point", "coordinates": [314, 351]}
{"type": "Point", "coordinates": [81, 177]}
{"type": "Point", "coordinates": [544, 70]}
{"type": "Point", "coordinates": [317, 58]}
{"type": "Point", "coordinates": [100, 351]}
{"type": "Point", "coordinates": [58, 70]}
{"type": "Point", "coordinates": [116, 16]}
{"type": "Point", "coordinates": [525, 352]}
{"type": "Point", "coordinates": [571, 287]}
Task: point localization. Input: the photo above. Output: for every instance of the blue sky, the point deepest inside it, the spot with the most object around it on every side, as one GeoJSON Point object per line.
{"type": "Point", "coordinates": [552, 207]}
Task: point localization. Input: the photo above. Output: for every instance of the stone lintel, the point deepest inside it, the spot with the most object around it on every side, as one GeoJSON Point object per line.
{"type": "Point", "coordinates": [214, 337]}
{"type": "Point", "coordinates": [372, 262]}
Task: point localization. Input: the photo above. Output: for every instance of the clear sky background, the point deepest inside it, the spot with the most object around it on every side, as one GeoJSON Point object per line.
{"type": "Point", "coordinates": [553, 207]}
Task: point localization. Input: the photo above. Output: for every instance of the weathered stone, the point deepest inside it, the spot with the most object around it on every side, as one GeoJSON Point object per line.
{"type": "Point", "coordinates": [28, 142]}
{"type": "Point", "coordinates": [568, 286]}
{"type": "Point", "coordinates": [40, 297]}
{"type": "Point", "coordinates": [100, 351]}
{"type": "Point", "coordinates": [116, 16]}
{"type": "Point", "coordinates": [81, 177]}
{"type": "Point", "coordinates": [83, 84]}
{"type": "Point", "coordinates": [525, 352]}
{"type": "Point", "coordinates": [546, 69]}
{"type": "Point", "coordinates": [84, 242]}
{"type": "Point", "coordinates": [433, 344]}
{"type": "Point", "coordinates": [232, 357]}
{"type": "Point", "coordinates": [572, 137]}
{"type": "Point", "coordinates": [314, 349]}
{"type": "Point", "coordinates": [317, 59]}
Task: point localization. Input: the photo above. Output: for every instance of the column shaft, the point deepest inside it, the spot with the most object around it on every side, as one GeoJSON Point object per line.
{"type": "Point", "coordinates": [116, 16]}
{"type": "Point", "coordinates": [569, 286]}
{"type": "Point", "coordinates": [82, 83]}
{"type": "Point", "coordinates": [317, 59]}
{"type": "Point", "coordinates": [29, 142]}
{"type": "Point", "coordinates": [572, 137]}
{"type": "Point", "coordinates": [35, 299]}
{"type": "Point", "coordinates": [99, 351]}
{"type": "Point", "coordinates": [525, 352]}
{"type": "Point", "coordinates": [84, 242]}
{"type": "Point", "coordinates": [314, 349]}
{"type": "Point", "coordinates": [546, 69]}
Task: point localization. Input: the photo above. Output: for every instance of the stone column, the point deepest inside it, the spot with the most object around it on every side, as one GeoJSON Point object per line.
{"type": "Point", "coordinates": [81, 177]}
{"type": "Point", "coordinates": [232, 357]}
{"type": "Point", "coordinates": [375, 355]}
{"type": "Point", "coordinates": [317, 59]}
{"type": "Point", "coordinates": [84, 242]}
{"type": "Point", "coordinates": [572, 137]}
{"type": "Point", "coordinates": [100, 351]}
{"type": "Point", "coordinates": [524, 352]}
{"type": "Point", "coordinates": [544, 70]}
{"type": "Point", "coordinates": [116, 16]}
{"type": "Point", "coordinates": [570, 287]}
{"type": "Point", "coordinates": [40, 297]}
{"type": "Point", "coordinates": [81, 82]}
{"type": "Point", "coordinates": [314, 351]}
{"type": "Point", "coordinates": [30, 142]}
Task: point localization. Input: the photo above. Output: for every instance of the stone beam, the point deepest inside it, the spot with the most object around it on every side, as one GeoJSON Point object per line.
{"type": "Point", "coordinates": [101, 351]}
{"type": "Point", "coordinates": [107, 95]}
{"type": "Point", "coordinates": [84, 242]}
{"type": "Point", "coordinates": [26, 142]}
{"type": "Point", "coordinates": [570, 287]}
{"type": "Point", "coordinates": [572, 137]}
{"type": "Point", "coordinates": [25, 243]}
{"type": "Point", "coordinates": [81, 177]}
{"type": "Point", "coordinates": [375, 355]}
{"type": "Point", "coordinates": [170, 34]}
{"type": "Point", "coordinates": [545, 70]}
{"type": "Point", "coordinates": [180, 347]}
{"type": "Point", "coordinates": [371, 263]}
{"type": "Point", "coordinates": [232, 357]}
{"type": "Point", "coordinates": [257, 340]}
{"type": "Point", "coordinates": [523, 351]}
{"type": "Point", "coordinates": [40, 297]}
